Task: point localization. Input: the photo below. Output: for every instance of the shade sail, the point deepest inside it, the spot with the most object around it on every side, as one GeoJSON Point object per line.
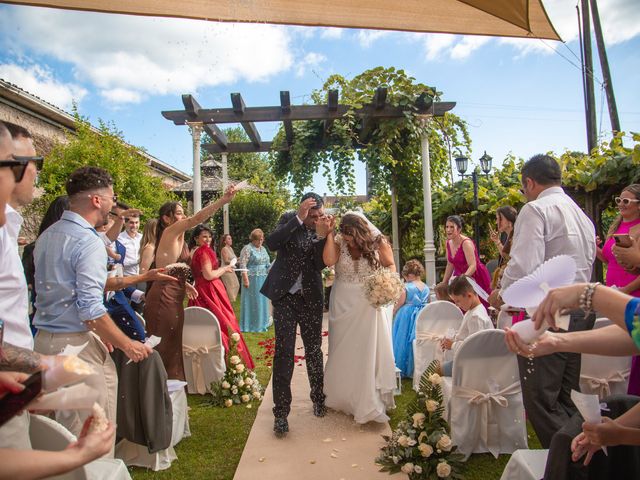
{"type": "Point", "coordinates": [506, 18]}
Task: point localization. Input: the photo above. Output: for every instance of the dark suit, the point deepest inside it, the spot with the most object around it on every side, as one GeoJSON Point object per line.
{"type": "Point", "coordinates": [298, 252]}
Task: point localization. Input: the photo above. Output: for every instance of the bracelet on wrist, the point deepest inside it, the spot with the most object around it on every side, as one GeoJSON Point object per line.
{"type": "Point", "coordinates": [586, 297]}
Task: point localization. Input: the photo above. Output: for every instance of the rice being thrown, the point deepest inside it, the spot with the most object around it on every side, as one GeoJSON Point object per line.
{"type": "Point", "coordinates": [383, 288]}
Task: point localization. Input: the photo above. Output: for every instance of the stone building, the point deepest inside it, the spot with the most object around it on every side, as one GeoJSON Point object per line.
{"type": "Point", "coordinates": [48, 124]}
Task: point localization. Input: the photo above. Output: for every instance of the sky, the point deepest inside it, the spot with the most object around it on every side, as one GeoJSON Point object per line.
{"type": "Point", "coordinates": [519, 96]}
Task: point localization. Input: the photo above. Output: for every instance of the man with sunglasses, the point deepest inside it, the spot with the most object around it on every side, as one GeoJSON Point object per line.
{"type": "Point", "coordinates": [71, 272]}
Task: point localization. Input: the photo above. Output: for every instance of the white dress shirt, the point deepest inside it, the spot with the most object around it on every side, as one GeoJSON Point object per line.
{"type": "Point", "coordinates": [473, 321]}
{"type": "Point", "coordinates": [14, 301]}
{"type": "Point", "coordinates": [551, 225]}
{"type": "Point", "coordinates": [132, 254]}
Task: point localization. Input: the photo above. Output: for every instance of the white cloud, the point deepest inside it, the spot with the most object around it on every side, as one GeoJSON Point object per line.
{"type": "Point", "coordinates": [40, 82]}
{"type": "Point", "coordinates": [366, 38]}
{"type": "Point", "coordinates": [310, 60]}
{"type": "Point", "coordinates": [458, 47]}
{"type": "Point", "coordinates": [466, 46]}
{"type": "Point", "coordinates": [128, 58]}
{"type": "Point", "coordinates": [331, 33]}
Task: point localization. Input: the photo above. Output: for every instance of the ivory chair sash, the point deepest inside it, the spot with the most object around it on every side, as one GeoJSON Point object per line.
{"type": "Point", "coordinates": [601, 375]}
{"type": "Point", "coordinates": [485, 407]}
{"type": "Point", "coordinates": [202, 350]}
{"type": "Point", "coordinates": [431, 326]}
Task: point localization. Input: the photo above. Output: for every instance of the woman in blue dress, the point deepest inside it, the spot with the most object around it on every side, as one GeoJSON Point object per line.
{"type": "Point", "coordinates": [415, 296]}
{"type": "Point", "coordinates": [254, 310]}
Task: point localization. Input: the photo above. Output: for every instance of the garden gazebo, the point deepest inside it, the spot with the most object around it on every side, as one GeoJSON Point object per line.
{"type": "Point", "coordinates": [209, 119]}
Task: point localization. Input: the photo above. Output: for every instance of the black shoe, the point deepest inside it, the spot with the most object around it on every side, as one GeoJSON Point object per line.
{"type": "Point", "coordinates": [280, 426]}
{"type": "Point", "coordinates": [319, 409]}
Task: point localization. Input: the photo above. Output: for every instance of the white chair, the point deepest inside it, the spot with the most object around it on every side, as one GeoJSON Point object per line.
{"type": "Point", "coordinates": [432, 324]}
{"type": "Point", "coordinates": [526, 465]}
{"type": "Point", "coordinates": [486, 412]}
{"type": "Point", "coordinates": [138, 455]}
{"type": "Point", "coordinates": [142, 320]}
{"type": "Point", "coordinates": [601, 375]}
{"type": "Point", "coordinates": [47, 434]}
{"type": "Point", "coordinates": [202, 350]}
{"type": "Point", "coordinates": [504, 320]}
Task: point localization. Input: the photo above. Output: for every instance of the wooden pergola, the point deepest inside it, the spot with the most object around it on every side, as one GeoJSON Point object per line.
{"type": "Point", "coordinates": [208, 120]}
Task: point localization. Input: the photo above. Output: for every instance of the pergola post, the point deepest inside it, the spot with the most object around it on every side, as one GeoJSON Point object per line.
{"type": "Point", "coordinates": [196, 132]}
{"type": "Point", "coordinates": [394, 228]}
{"type": "Point", "coordinates": [225, 184]}
{"type": "Point", "coordinates": [429, 246]}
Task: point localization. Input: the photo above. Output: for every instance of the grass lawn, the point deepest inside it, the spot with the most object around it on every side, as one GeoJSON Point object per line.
{"type": "Point", "coordinates": [219, 434]}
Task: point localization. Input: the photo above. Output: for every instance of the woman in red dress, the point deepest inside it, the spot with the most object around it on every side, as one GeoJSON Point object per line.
{"type": "Point", "coordinates": [211, 292]}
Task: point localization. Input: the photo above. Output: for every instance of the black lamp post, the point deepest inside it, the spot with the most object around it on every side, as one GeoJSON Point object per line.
{"type": "Point", "coordinates": [462, 163]}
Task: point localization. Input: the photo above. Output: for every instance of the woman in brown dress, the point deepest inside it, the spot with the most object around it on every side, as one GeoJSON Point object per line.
{"type": "Point", "coordinates": [164, 310]}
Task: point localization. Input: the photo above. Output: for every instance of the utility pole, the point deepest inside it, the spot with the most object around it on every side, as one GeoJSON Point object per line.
{"type": "Point", "coordinates": [604, 65]}
{"type": "Point", "coordinates": [587, 74]}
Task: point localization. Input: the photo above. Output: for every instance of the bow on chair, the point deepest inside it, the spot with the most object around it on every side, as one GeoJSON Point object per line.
{"type": "Point", "coordinates": [432, 337]}
{"type": "Point", "coordinates": [602, 385]}
{"type": "Point", "coordinates": [196, 354]}
{"type": "Point", "coordinates": [489, 429]}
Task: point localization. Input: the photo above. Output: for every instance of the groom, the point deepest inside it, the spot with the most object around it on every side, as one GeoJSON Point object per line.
{"type": "Point", "coordinates": [294, 285]}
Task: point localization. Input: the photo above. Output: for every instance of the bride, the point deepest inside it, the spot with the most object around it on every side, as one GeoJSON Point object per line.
{"type": "Point", "coordinates": [359, 376]}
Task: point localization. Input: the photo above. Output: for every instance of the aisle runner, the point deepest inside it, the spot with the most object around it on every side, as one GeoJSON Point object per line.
{"type": "Point", "coordinates": [333, 447]}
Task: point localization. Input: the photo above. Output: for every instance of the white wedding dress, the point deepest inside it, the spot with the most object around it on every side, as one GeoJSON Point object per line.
{"type": "Point", "coordinates": [359, 377]}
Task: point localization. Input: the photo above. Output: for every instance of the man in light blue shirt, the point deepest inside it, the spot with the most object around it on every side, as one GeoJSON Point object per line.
{"type": "Point", "coordinates": [70, 263]}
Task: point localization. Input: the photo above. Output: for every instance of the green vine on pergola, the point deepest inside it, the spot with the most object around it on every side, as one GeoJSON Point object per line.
{"type": "Point", "coordinates": [390, 148]}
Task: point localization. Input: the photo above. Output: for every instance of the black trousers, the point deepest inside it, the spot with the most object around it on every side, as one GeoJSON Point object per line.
{"type": "Point", "coordinates": [289, 312]}
{"type": "Point", "coordinates": [547, 383]}
{"type": "Point", "coordinates": [622, 461]}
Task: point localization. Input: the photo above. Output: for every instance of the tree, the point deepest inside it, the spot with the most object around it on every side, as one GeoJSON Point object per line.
{"type": "Point", "coordinates": [391, 152]}
{"type": "Point", "coordinates": [105, 147]}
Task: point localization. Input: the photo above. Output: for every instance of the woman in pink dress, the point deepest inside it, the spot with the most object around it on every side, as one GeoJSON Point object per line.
{"type": "Point", "coordinates": [211, 292]}
{"type": "Point", "coordinates": [462, 256]}
{"type": "Point", "coordinates": [628, 221]}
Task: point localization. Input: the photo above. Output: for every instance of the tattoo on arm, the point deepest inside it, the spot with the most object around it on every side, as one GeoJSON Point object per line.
{"type": "Point", "coordinates": [17, 359]}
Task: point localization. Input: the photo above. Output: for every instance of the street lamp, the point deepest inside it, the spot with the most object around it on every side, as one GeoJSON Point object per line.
{"type": "Point", "coordinates": [462, 163]}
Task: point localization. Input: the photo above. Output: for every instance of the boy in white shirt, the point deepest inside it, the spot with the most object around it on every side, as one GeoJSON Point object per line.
{"type": "Point", "coordinates": [475, 319]}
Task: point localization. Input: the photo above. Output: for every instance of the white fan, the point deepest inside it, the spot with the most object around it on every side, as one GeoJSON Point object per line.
{"type": "Point", "coordinates": [529, 291]}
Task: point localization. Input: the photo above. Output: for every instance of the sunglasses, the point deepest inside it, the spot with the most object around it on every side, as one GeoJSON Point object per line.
{"type": "Point", "coordinates": [19, 164]}
{"type": "Point", "coordinates": [625, 201]}
{"type": "Point", "coordinates": [114, 198]}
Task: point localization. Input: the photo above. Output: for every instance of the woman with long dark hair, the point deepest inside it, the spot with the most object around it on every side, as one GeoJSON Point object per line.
{"type": "Point", "coordinates": [502, 237]}
{"type": "Point", "coordinates": [359, 375]}
{"type": "Point", "coordinates": [230, 279]}
{"type": "Point", "coordinates": [211, 292]}
{"type": "Point", "coordinates": [462, 256]}
{"type": "Point", "coordinates": [164, 311]}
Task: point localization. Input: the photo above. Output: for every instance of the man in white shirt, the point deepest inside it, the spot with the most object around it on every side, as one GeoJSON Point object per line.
{"type": "Point", "coordinates": [14, 303]}
{"type": "Point", "coordinates": [130, 238]}
{"type": "Point", "coordinates": [550, 224]}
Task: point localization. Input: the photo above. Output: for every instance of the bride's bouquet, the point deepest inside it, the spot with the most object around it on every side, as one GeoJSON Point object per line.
{"type": "Point", "coordinates": [382, 288]}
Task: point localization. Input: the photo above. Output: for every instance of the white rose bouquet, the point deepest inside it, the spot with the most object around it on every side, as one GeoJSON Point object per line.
{"type": "Point", "coordinates": [421, 445]}
{"type": "Point", "coordinates": [383, 287]}
{"type": "Point", "coordinates": [239, 384]}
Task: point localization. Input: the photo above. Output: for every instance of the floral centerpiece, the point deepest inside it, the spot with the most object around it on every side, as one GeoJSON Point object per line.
{"type": "Point", "coordinates": [421, 445]}
{"type": "Point", "coordinates": [328, 275]}
{"type": "Point", "coordinates": [382, 288]}
{"type": "Point", "coordinates": [239, 385]}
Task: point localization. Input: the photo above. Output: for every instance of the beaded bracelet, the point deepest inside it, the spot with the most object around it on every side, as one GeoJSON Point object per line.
{"type": "Point", "coordinates": [586, 297]}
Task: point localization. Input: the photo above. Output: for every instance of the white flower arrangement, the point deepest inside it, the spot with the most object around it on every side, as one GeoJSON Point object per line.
{"type": "Point", "coordinates": [421, 445]}
{"type": "Point", "coordinates": [382, 288]}
{"type": "Point", "coordinates": [239, 384]}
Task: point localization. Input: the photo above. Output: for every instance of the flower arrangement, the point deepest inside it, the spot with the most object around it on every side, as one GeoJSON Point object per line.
{"type": "Point", "coordinates": [178, 270]}
{"type": "Point", "coordinates": [383, 287]}
{"type": "Point", "coordinates": [328, 275]}
{"type": "Point", "coordinates": [239, 385]}
{"type": "Point", "coordinates": [421, 445]}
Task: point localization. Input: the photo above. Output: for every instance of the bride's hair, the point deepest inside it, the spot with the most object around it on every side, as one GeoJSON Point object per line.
{"type": "Point", "coordinates": [365, 241]}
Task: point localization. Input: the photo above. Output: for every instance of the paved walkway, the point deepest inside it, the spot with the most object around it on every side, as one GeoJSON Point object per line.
{"type": "Point", "coordinates": [333, 447]}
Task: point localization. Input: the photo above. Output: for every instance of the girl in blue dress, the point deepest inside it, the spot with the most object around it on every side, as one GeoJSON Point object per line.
{"type": "Point", "coordinates": [415, 296]}
{"type": "Point", "coordinates": [254, 310]}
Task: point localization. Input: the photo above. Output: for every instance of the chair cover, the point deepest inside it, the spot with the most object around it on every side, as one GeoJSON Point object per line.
{"type": "Point", "coordinates": [134, 454]}
{"type": "Point", "coordinates": [525, 465]}
{"type": "Point", "coordinates": [504, 320]}
{"type": "Point", "coordinates": [431, 326]}
{"type": "Point", "coordinates": [486, 410]}
{"type": "Point", "coordinates": [47, 434]}
{"type": "Point", "coordinates": [202, 350]}
{"type": "Point", "coordinates": [604, 376]}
